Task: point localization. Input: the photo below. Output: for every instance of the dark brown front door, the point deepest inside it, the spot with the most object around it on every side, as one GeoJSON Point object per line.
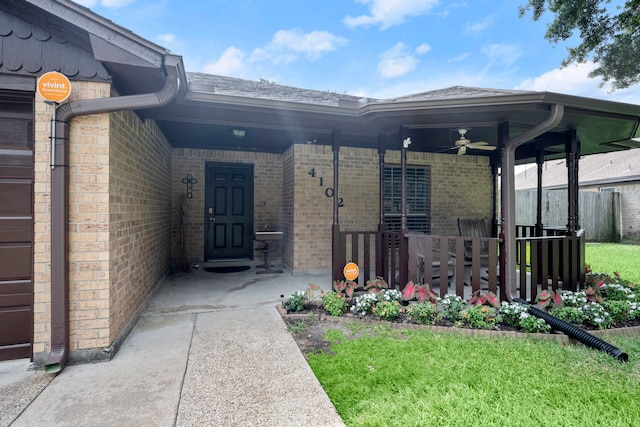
{"type": "Point", "coordinates": [228, 211]}
{"type": "Point", "coordinates": [16, 224]}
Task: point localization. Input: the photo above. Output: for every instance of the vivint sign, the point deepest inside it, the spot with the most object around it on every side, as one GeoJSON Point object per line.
{"type": "Point", "coordinates": [54, 87]}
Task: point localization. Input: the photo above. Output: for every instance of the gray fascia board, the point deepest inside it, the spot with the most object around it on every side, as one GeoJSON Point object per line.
{"type": "Point", "coordinates": [515, 102]}
{"type": "Point", "coordinates": [243, 101]}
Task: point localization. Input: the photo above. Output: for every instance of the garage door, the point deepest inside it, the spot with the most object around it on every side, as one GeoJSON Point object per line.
{"type": "Point", "coordinates": [16, 224]}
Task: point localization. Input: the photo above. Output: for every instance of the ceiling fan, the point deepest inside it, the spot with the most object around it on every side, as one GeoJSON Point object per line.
{"type": "Point", "coordinates": [463, 143]}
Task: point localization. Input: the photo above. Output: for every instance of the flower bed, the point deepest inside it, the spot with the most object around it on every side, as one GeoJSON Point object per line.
{"type": "Point", "coordinates": [606, 303]}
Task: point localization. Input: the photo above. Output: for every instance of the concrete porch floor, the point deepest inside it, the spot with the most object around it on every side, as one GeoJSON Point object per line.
{"type": "Point", "coordinates": [209, 349]}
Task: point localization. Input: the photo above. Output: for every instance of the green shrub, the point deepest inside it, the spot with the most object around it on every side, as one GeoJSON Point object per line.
{"type": "Point", "coordinates": [452, 307]}
{"type": "Point", "coordinates": [387, 310]}
{"type": "Point", "coordinates": [423, 313]}
{"type": "Point", "coordinates": [615, 291]}
{"type": "Point", "coordinates": [512, 313]}
{"type": "Point", "coordinates": [296, 301]}
{"type": "Point", "coordinates": [479, 317]}
{"type": "Point", "coordinates": [364, 304]}
{"type": "Point", "coordinates": [568, 314]}
{"type": "Point", "coordinates": [334, 303]}
{"type": "Point", "coordinates": [597, 316]}
{"type": "Point", "coordinates": [534, 325]}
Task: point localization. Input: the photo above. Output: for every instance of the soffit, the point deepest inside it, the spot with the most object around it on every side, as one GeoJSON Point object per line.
{"type": "Point", "coordinates": [277, 116]}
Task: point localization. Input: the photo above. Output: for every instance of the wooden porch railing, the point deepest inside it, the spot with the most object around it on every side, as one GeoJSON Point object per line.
{"type": "Point", "coordinates": [378, 254]}
{"type": "Point", "coordinates": [554, 261]}
{"type": "Point", "coordinates": [441, 260]}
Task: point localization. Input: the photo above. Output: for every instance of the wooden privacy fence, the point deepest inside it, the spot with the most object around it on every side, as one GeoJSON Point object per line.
{"type": "Point", "coordinates": [600, 211]}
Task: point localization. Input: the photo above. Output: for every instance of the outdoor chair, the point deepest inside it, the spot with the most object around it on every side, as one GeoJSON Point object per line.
{"type": "Point", "coordinates": [475, 228]}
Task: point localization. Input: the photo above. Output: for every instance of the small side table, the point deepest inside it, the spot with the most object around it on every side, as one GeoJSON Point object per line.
{"type": "Point", "coordinates": [267, 237]}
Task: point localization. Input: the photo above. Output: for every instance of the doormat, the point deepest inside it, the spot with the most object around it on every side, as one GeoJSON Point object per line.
{"type": "Point", "coordinates": [227, 269]}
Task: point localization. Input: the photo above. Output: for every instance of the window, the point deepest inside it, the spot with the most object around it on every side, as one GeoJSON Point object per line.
{"type": "Point", "coordinates": [418, 198]}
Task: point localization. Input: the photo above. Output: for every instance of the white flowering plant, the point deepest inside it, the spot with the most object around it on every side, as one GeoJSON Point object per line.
{"type": "Point", "coordinates": [452, 307]}
{"type": "Point", "coordinates": [391, 295]}
{"type": "Point", "coordinates": [296, 301]}
{"type": "Point", "coordinates": [517, 316]}
{"type": "Point", "coordinates": [597, 316]}
{"type": "Point", "coordinates": [364, 304]}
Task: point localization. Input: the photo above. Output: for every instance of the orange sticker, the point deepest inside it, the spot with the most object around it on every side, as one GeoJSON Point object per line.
{"type": "Point", "coordinates": [54, 86]}
{"type": "Point", "coordinates": [351, 271]}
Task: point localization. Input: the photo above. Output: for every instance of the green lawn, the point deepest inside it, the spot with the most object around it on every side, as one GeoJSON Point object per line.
{"type": "Point", "coordinates": [421, 378]}
{"type": "Point", "coordinates": [430, 379]}
{"type": "Point", "coordinates": [613, 257]}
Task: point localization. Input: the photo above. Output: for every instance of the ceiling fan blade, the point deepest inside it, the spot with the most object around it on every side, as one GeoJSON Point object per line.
{"type": "Point", "coordinates": [475, 143]}
{"type": "Point", "coordinates": [481, 147]}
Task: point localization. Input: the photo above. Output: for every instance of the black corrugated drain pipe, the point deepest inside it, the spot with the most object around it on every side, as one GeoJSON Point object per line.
{"type": "Point", "coordinates": [575, 332]}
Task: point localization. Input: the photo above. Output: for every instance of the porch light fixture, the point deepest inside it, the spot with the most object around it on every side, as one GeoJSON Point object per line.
{"type": "Point", "coordinates": [239, 132]}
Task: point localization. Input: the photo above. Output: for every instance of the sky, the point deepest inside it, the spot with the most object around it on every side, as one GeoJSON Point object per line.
{"type": "Point", "coordinates": [370, 48]}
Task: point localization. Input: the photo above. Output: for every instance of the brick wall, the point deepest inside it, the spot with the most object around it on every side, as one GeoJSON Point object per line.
{"type": "Point", "coordinates": [139, 214]}
{"type": "Point", "coordinates": [88, 225]}
{"type": "Point", "coordinates": [461, 188]}
{"type": "Point", "coordinates": [288, 197]}
{"type": "Point", "coordinates": [268, 187]}
{"type": "Point", "coordinates": [119, 223]}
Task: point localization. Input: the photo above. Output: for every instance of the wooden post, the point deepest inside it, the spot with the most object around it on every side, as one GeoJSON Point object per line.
{"type": "Point", "coordinates": [403, 249]}
{"type": "Point", "coordinates": [572, 148]}
{"type": "Point", "coordinates": [503, 138]}
{"type": "Point", "coordinates": [539, 162]}
{"type": "Point", "coordinates": [380, 247]}
{"type": "Point", "coordinates": [337, 245]}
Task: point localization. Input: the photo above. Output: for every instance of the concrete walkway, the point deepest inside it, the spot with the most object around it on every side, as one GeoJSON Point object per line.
{"type": "Point", "coordinates": [210, 349]}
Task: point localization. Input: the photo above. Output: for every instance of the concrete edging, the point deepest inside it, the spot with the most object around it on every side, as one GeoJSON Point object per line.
{"type": "Point", "coordinates": [561, 338]}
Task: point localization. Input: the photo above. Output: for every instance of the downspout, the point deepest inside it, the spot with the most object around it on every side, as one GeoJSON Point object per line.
{"type": "Point", "coordinates": [508, 194]}
{"type": "Point", "coordinates": [59, 352]}
{"type": "Point", "coordinates": [509, 238]}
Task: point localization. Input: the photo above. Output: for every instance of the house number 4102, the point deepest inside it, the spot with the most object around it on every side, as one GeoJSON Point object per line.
{"type": "Point", "coordinates": [329, 192]}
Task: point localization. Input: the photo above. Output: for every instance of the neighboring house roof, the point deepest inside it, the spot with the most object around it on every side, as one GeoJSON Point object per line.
{"type": "Point", "coordinates": [605, 169]}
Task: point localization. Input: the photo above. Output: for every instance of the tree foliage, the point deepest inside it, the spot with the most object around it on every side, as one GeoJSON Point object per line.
{"type": "Point", "coordinates": [609, 34]}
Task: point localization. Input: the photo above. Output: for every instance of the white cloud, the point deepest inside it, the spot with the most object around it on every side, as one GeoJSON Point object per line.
{"type": "Point", "coordinates": [288, 45]}
{"type": "Point", "coordinates": [387, 13]}
{"type": "Point", "coordinates": [113, 4]}
{"type": "Point", "coordinates": [574, 80]}
{"type": "Point", "coordinates": [166, 38]}
{"type": "Point", "coordinates": [501, 54]}
{"type": "Point", "coordinates": [396, 61]}
{"type": "Point", "coordinates": [459, 58]}
{"type": "Point", "coordinates": [479, 26]}
{"type": "Point", "coordinates": [87, 3]}
{"type": "Point", "coordinates": [423, 48]}
{"type": "Point", "coordinates": [230, 63]}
